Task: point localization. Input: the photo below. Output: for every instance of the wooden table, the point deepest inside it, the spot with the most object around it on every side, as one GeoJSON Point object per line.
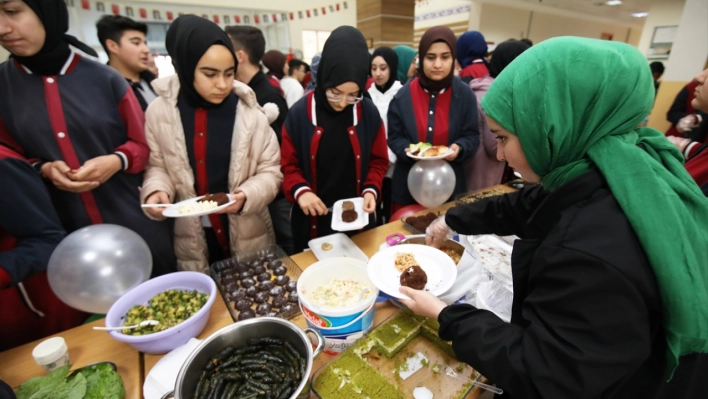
{"type": "Point", "coordinates": [87, 346]}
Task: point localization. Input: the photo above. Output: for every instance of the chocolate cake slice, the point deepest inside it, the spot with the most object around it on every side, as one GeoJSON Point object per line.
{"type": "Point", "coordinates": [414, 277]}
{"type": "Point", "coordinates": [219, 198]}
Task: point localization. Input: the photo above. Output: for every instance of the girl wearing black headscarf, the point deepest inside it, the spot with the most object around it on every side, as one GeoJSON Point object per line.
{"type": "Point", "coordinates": [334, 141]}
{"type": "Point", "coordinates": [80, 121]}
{"type": "Point", "coordinates": [208, 135]}
{"type": "Point", "coordinates": [422, 111]}
{"type": "Point", "coordinates": [384, 68]}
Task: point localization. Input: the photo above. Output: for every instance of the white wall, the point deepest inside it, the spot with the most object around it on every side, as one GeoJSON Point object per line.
{"type": "Point", "coordinates": [328, 22]}
{"type": "Point", "coordinates": [690, 49]}
{"type": "Point", "coordinates": [661, 13]}
{"type": "Point", "coordinates": [502, 22]}
{"type": "Point", "coordinates": [432, 7]}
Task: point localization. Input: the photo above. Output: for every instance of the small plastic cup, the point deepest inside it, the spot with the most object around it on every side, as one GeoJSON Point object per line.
{"type": "Point", "coordinates": [51, 354]}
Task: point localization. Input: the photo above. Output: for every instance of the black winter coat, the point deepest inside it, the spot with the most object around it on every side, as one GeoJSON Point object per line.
{"type": "Point", "coordinates": [586, 317]}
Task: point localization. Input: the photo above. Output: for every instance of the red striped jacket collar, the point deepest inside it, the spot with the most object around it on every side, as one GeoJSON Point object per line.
{"type": "Point", "coordinates": [313, 115]}
{"type": "Point", "coordinates": [68, 67]}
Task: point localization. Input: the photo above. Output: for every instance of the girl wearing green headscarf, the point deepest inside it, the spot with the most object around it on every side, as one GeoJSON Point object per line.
{"type": "Point", "coordinates": [610, 274]}
{"type": "Point", "coordinates": [405, 59]}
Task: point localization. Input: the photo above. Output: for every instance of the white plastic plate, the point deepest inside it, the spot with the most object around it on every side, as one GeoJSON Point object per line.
{"type": "Point", "coordinates": [342, 246]}
{"type": "Point", "coordinates": [449, 151]}
{"type": "Point", "coordinates": [441, 270]}
{"type": "Point", "coordinates": [173, 211]}
{"type": "Point", "coordinates": [339, 225]}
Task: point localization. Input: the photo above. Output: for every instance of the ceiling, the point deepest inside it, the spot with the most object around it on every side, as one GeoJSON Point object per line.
{"type": "Point", "coordinates": [596, 8]}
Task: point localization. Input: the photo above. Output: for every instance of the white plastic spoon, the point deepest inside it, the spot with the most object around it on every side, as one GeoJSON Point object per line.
{"type": "Point", "coordinates": [141, 324]}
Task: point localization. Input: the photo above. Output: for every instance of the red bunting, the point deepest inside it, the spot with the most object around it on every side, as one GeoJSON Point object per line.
{"type": "Point", "coordinates": [337, 6]}
{"type": "Point", "coordinates": [275, 18]}
{"type": "Point", "coordinates": [237, 19]}
{"type": "Point", "coordinates": [292, 16]}
{"type": "Point", "coordinates": [324, 11]}
{"type": "Point", "coordinates": [115, 9]}
{"type": "Point", "coordinates": [143, 13]}
{"type": "Point", "coordinates": [256, 19]}
{"type": "Point", "coordinates": [216, 19]}
{"type": "Point", "coordinates": [85, 4]}
{"type": "Point", "coordinates": [170, 16]}
{"type": "Point", "coordinates": [308, 13]}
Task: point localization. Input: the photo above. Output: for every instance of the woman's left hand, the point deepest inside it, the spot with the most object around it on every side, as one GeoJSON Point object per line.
{"type": "Point", "coordinates": [422, 302]}
{"type": "Point", "coordinates": [455, 151]}
{"type": "Point", "coordinates": [369, 202]}
{"type": "Point", "coordinates": [240, 198]}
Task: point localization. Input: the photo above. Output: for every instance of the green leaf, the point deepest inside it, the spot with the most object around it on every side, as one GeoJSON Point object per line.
{"type": "Point", "coordinates": [74, 388]}
{"type": "Point", "coordinates": [36, 384]}
{"type": "Point", "coordinates": [103, 383]}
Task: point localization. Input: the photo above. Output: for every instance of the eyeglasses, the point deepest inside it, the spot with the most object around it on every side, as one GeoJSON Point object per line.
{"type": "Point", "coordinates": [335, 98]}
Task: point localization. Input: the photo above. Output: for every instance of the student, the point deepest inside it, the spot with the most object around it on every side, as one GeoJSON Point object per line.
{"type": "Point", "coordinates": [406, 57]}
{"type": "Point", "coordinates": [307, 78]}
{"type": "Point", "coordinates": [85, 129]}
{"type": "Point", "coordinates": [276, 63]}
{"type": "Point", "coordinates": [384, 67]}
{"type": "Point", "coordinates": [313, 71]}
{"type": "Point", "coordinates": [334, 142]}
{"type": "Point", "coordinates": [249, 44]}
{"type": "Point", "coordinates": [657, 70]}
{"type": "Point", "coordinates": [291, 83]}
{"type": "Point", "coordinates": [484, 169]}
{"type": "Point", "coordinates": [207, 134]}
{"type": "Point", "coordinates": [471, 49]}
{"type": "Point", "coordinates": [432, 108]}
{"type": "Point", "coordinates": [29, 232]}
{"type": "Point", "coordinates": [686, 120]}
{"type": "Point", "coordinates": [604, 304]}
{"type": "Point", "coordinates": [124, 41]}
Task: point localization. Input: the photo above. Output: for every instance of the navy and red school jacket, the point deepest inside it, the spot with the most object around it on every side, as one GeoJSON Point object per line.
{"type": "Point", "coordinates": [697, 164]}
{"type": "Point", "coordinates": [86, 111]}
{"type": "Point", "coordinates": [416, 115]}
{"type": "Point", "coordinates": [477, 69]}
{"type": "Point", "coordinates": [301, 137]}
{"type": "Point", "coordinates": [29, 232]}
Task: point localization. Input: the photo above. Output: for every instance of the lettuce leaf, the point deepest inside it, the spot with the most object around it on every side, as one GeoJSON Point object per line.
{"type": "Point", "coordinates": [36, 384]}
{"type": "Point", "coordinates": [94, 382]}
{"type": "Point", "coordinates": [103, 383]}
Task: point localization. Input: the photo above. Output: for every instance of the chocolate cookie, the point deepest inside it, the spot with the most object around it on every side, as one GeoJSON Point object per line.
{"type": "Point", "coordinates": [265, 276]}
{"type": "Point", "coordinates": [280, 270]}
{"type": "Point", "coordinates": [349, 216]}
{"type": "Point", "coordinates": [243, 304]}
{"type": "Point", "coordinates": [251, 291]}
{"type": "Point", "coordinates": [246, 314]}
{"type": "Point", "coordinates": [291, 286]}
{"type": "Point", "coordinates": [264, 308]}
{"type": "Point", "coordinates": [280, 301]}
{"type": "Point", "coordinates": [347, 206]}
{"type": "Point", "coordinates": [262, 297]}
{"type": "Point", "coordinates": [247, 282]}
{"type": "Point", "coordinates": [414, 277]}
{"type": "Point", "coordinates": [282, 280]}
{"type": "Point", "coordinates": [266, 285]}
{"type": "Point", "coordinates": [276, 291]}
{"type": "Point", "coordinates": [293, 297]}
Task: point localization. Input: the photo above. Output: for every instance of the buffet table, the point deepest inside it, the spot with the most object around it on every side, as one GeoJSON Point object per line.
{"type": "Point", "coordinates": [87, 346]}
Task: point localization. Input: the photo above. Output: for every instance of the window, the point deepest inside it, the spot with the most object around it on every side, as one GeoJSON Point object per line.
{"type": "Point", "coordinates": [313, 42]}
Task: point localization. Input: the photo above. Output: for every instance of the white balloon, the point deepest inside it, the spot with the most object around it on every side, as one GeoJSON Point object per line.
{"type": "Point", "coordinates": [93, 266]}
{"type": "Point", "coordinates": [431, 183]}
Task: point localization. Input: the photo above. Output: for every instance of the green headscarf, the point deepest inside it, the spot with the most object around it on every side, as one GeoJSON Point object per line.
{"type": "Point", "coordinates": [405, 58]}
{"type": "Point", "coordinates": [575, 104]}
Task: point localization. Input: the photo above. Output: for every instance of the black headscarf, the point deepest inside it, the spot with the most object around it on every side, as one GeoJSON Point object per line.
{"type": "Point", "coordinates": [504, 54]}
{"type": "Point", "coordinates": [55, 51]}
{"type": "Point", "coordinates": [188, 38]}
{"type": "Point", "coordinates": [345, 58]}
{"type": "Point", "coordinates": [391, 59]}
{"type": "Point", "coordinates": [434, 35]}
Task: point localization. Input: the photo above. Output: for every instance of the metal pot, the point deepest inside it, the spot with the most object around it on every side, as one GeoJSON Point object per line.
{"type": "Point", "coordinates": [238, 334]}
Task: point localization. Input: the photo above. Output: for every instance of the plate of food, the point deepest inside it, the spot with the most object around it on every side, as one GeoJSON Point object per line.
{"type": "Point", "coordinates": [348, 214]}
{"type": "Point", "coordinates": [198, 206]}
{"type": "Point", "coordinates": [428, 152]}
{"type": "Point", "coordinates": [336, 246]}
{"type": "Point", "coordinates": [416, 266]}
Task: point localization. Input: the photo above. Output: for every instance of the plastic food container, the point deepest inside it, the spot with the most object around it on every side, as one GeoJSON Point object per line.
{"type": "Point", "coordinates": [163, 341]}
{"type": "Point", "coordinates": [341, 326]}
{"type": "Point", "coordinates": [51, 354]}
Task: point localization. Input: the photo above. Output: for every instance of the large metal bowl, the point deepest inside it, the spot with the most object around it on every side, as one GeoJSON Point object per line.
{"type": "Point", "coordinates": [238, 334]}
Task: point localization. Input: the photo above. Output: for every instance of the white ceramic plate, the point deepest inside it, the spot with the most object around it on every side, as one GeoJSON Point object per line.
{"type": "Point", "coordinates": [339, 225]}
{"type": "Point", "coordinates": [441, 270]}
{"type": "Point", "coordinates": [173, 211]}
{"type": "Point", "coordinates": [449, 151]}
{"type": "Point", "coordinates": [342, 247]}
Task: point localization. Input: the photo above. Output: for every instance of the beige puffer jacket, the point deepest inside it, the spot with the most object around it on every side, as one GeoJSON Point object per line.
{"type": "Point", "coordinates": [254, 170]}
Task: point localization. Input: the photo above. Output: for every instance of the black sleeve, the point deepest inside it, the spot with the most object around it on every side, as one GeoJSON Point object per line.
{"type": "Point", "coordinates": [678, 108]}
{"type": "Point", "coordinates": [579, 311]}
{"type": "Point", "coordinates": [398, 140]}
{"type": "Point", "coordinates": [277, 125]}
{"type": "Point", "coordinates": [26, 213]}
{"type": "Point", "coordinates": [468, 139]}
{"type": "Point", "coordinates": [503, 215]}
{"type": "Point", "coordinates": [699, 134]}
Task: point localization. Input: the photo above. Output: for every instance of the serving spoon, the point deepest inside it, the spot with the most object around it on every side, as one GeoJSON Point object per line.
{"type": "Point", "coordinates": [141, 324]}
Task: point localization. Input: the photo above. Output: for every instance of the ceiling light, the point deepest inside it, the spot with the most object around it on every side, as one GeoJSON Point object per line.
{"type": "Point", "coordinates": [613, 2]}
{"type": "Point", "coordinates": [640, 14]}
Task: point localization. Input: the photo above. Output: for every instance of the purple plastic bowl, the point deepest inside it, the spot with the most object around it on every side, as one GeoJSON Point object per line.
{"type": "Point", "coordinates": [163, 341]}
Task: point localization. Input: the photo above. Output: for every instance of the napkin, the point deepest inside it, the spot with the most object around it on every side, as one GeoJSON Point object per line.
{"type": "Point", "coordinates": [163, 375]}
